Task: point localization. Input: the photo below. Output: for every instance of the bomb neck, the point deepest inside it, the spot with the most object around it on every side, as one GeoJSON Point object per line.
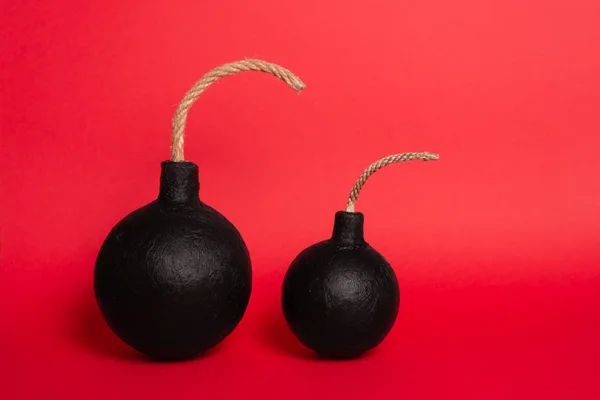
{"type": "Point", "coordinates": [179, 182]}
{"type": "Point", "coordinates": [348, 228]}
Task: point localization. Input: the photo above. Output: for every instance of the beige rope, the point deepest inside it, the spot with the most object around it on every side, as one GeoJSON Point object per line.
{"type": "Point", "coordinates": [211, 77]}
{"type": "Point", "coordinates": [377, 165]}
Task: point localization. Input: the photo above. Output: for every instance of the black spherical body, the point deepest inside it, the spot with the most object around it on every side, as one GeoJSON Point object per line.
{"type": "Point", "coordinates": [341, 297]}
{"type": "Point", "coordinates": [173, 278]}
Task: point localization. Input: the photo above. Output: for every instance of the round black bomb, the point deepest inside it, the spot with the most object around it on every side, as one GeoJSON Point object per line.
{"type": "Point", "coordinates": [173, 278]}
{"type": "Point", "coordinates": [340, 297]}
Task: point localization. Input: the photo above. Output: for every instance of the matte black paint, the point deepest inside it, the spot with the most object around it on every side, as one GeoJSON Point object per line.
{"type": "Point", "coordinates": [341, 297]}
{"type": "Point", "coordinates": [173, 278]}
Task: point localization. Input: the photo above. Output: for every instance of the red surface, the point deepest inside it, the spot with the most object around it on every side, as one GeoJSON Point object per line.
{"type": "Point", "coordinates": [496, 246]}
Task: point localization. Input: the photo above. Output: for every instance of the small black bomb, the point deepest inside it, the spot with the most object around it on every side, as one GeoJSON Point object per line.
{"type": "Point", "coordinates": [173, 278]}
{"type": "Point", "coordinates": [340, 296]}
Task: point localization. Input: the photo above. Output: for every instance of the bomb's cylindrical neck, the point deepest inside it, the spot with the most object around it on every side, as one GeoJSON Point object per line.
{"type": "Point", "coordinates": [179, 182]}
{"type": "Point", "coordinates": [348, 228]}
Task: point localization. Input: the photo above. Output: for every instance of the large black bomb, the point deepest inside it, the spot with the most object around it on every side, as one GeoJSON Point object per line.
{"type": "Point", "coordinates": [173, 278]}
{"type": "Point", "coordinates": [340, 296]}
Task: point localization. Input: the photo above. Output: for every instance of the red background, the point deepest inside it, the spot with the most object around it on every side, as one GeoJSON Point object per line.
{"type": "Point", "coordinates": [496, 245]}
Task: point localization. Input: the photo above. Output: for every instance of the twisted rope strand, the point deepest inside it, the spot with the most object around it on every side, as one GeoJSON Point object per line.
{"type": "Point", "coordinates": [180, 117]}
{"type": "Point", "coordinates": [377, 165]}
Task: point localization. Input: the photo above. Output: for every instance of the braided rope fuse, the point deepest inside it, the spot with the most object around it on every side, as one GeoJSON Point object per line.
{"type": "Point", "coordinates": [377, 165]}
{"type": "Point", "coordinates": [180, 117]}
